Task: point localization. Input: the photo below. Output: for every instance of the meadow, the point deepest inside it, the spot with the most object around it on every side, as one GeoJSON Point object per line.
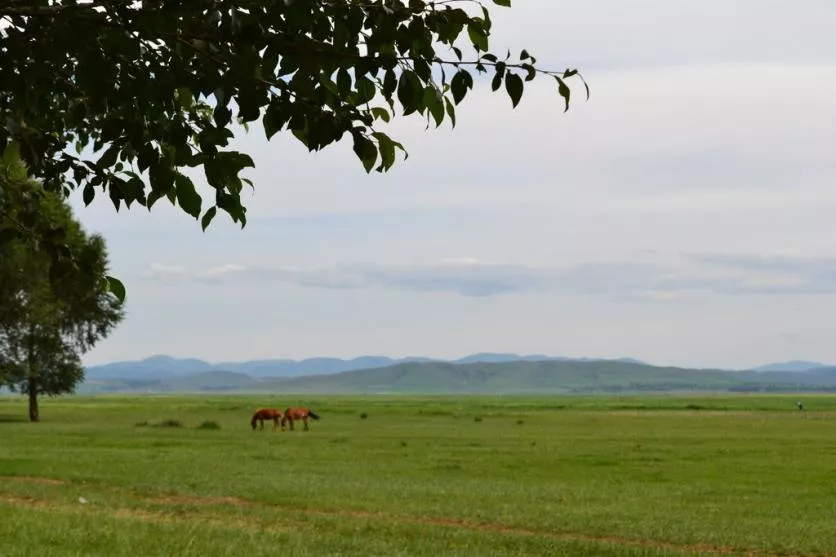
{"type": "Point", "coordinates": [420, 476]}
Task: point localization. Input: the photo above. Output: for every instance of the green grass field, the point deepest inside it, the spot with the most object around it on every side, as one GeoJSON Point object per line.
{"type": "Point", "coordinates": [476, 476]}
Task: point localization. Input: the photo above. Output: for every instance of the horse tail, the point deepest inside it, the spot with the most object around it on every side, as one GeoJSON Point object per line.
{"type": "Point", "coordinates": [313, 414]}
{"type": "Point", "coordinates": [255, 418]}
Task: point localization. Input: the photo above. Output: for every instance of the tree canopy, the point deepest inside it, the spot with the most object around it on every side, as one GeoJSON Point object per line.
{"type": "Point", "coordinates": [46, 325]}
{"type": "Point", "coordinates": [149, 88]}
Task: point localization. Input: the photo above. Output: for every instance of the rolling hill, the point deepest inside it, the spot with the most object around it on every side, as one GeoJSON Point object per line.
{"type": "Point", "coordinates": [793, 366]}
{"type": "Point", "coordinates": [509, 377]}
{"type": "Point", "coordinates": [166, 367]}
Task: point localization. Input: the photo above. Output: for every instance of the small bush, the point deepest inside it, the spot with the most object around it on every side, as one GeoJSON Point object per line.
{"type": "Point", "coordinates": [209, 424]}
{"type": "Point", "coordinates": [695, 407]}
{"type": "Point", "coordinates": [520, 422]}
{"type": "Point", "coordinates": [477, 419]}
{"type": "Point", "coordinates": [143, 423]}
{"type": "Point", "coordinates": [403, 443]}
{"type": "Point", "coordinates": [363, 416]}
{"type": "Point", "coordinates": [169, 423]}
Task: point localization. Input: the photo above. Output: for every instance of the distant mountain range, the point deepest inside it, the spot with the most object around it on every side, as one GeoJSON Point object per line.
{"type": "Point", "coordinates": [793, 365]}
{"type": "Point", "coordinates": [478, 373]}
{"type": "Point", "coordinates": [166, 367]}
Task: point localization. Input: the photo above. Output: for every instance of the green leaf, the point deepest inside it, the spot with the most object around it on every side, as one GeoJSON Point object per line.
{"type": "Point", "coordinates": [343, 82]}
{"type": "Point", "coordinates": [331, 86]}
{"type": "Point", "coordinates": [459, 85]}
{"type": "Point", "coordinates": [514, 87]}
{"type": "Point", "coordinates": [11, 153]}
{"type": "Point", "coordinates": [451, 111]}
{"type": "Point", "coordinates": [184, 96]}
{"type": "Point", "coordinates": [59, 269]}
{"type": "Point", "coordinates": [187, 196]}
{"type": "Point", "coordinates": [434, 104]}
{"type": "Point", "coordinates": [496, 82]}
{"type": "Point", "coordinates": [274, 119]}
{"type": "Point", "coordinates": [564, 91]}
{"type": "Point", "coordinates": [387, 150]}
{"type": "Point", "coordinates": [477, 34]}
{"type": "Point", "coordinates": [115, 286]}
{"type": "Point", "coordinates": [381, 113]}
{"type": "Point", "coordinates": [365, 90]}
{"type": "Point", "coordinates": [390, 83]}
{"type": "Point", "coordinates": [108, 158]}
{"type": "Point", "coordinates": [207, 217]}
{"type": "Point", "coordinates": [409, 87]}
{"type": "Point", "coordinates": [365, 150]}
{"type": "Point", "coordinates": [8, 234]}
{"type": "Point", "coordinates": [88, 194]}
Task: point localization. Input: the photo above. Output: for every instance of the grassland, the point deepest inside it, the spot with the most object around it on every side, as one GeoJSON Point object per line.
{"type": "Point", "coordinates": [475, 476]}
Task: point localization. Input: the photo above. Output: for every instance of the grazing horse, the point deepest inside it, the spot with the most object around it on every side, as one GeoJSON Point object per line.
{"type": "Point", "coordinates": [266, 414]}
{"type": "Point", "coordinates": [298, 414]}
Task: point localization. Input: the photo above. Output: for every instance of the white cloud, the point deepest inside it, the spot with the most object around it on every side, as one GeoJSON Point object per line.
{"type": "Point", "coordinates": [165, 270]}
{"type": "Point", "coordinates": [668, 279]}
{"type": "Point", "coordinates": [221, 270]}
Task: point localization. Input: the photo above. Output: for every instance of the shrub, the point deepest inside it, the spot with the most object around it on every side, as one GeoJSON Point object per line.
{"type": "Point", "coordinates": [209, 424]}
{"type": "Point", "coordinates": [169, 423]}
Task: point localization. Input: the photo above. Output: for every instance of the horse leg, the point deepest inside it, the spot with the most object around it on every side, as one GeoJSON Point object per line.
{"type": "Point", "coordinates": [305, 420]}
{"type": "Point", "coordinates": [290, 421]}
{"type": "Point", "coordinates": [275, 422]}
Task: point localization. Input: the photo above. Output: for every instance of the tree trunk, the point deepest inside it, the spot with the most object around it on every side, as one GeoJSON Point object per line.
{"type": "Point", "coordinates": [31, 381]}
{"type": "Point", "coordinates": [34, 415]}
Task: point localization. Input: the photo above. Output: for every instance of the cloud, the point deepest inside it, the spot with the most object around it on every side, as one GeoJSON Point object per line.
{"type": "Point", "coordinates": [216, 272]}
{"type": "Point", "coordinates": [773, 274]}
{"type": "Point", "coordinates": [653, 279]}
{"type": "Point", "coordinates": [161, 270]}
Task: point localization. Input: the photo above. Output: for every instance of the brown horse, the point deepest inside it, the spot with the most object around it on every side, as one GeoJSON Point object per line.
{"type": "Point", "coordinates": [298, 414]}
{"type": "Point", "coordinates": [266, 414]}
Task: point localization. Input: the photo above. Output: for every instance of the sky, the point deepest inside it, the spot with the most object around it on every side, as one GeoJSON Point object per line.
{"type": "Point", "coordinates": [682, 215]}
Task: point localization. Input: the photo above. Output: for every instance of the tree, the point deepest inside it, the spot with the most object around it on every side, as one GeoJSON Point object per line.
{"type": "Point", "coordinates": [152, 85]}
{"type": "Point", "coordinates": [46, 325]}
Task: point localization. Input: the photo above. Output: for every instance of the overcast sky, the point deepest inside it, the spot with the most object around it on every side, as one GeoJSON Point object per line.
{"type": "Point", "coordinates": [683, 215]}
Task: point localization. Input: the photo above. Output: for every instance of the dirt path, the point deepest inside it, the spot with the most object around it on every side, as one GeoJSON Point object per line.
{"type": "Point", "coordinates": [140, 514]}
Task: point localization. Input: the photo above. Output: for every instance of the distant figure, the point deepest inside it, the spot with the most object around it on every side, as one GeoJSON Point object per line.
{"type": "Point", "coordinates": [298, 414]}
{"type": "Point", "coordinates": [800, 406]}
